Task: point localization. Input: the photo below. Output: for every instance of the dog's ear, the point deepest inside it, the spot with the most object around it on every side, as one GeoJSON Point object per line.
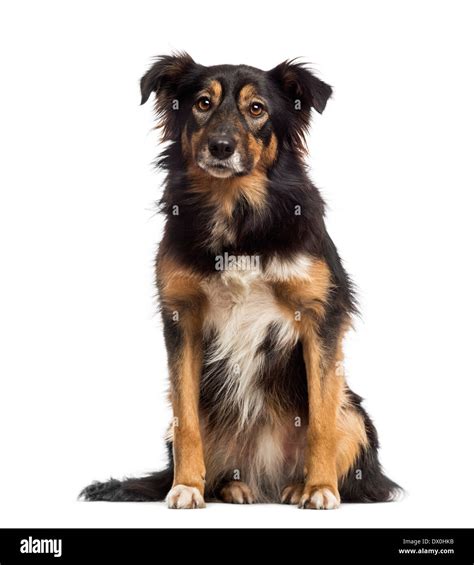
{"type": "Point", "coordinates": [165, 74]}
{"type": "Point", "coordinates": [169, 79]}
{"type": "Point", "coordinates": [301, 86]}
{"type": "Point", "coordinates": [302, 91]}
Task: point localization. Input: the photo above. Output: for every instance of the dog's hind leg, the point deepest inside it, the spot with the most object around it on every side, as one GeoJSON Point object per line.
{"type": "Point", "coordinates": [359, 473]}
{"type": "Point", "coordinates": [361, 478]}
{"type": "Point", "coordinates": [236, 492]}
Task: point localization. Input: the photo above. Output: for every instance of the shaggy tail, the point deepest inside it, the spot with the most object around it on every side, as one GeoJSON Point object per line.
{"type": "Point", "coordinates": [144, 489]}
{"type": "Point", "coordinates": [150, 488]}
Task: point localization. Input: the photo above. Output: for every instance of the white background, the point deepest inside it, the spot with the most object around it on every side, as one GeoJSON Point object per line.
{"type": "Point", "coordinates": [83, 367]}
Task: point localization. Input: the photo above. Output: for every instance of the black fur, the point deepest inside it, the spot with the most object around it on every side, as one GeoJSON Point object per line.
{"type": "Point", "coordinates": [144, 489]}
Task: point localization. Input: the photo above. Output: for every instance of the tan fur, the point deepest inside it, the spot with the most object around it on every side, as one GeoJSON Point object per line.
{"type": "Point", "coordinates": [187, 443]}
{"type": "Point", "coordinates": [324, 397]}
{"type": "Point", "coordinates": [248, 94]}
{"type": "Point", "coordinates": [304, 298]}
{"type": "Point", "coordinates": [215, 91]}
{"type": "Point", "coordinates": [269, 153]}
{"type": "Point", "coordinates": [350, 427]}
{"type": "Point", "coordinates": [224, 193]}
{"type": "Point", "coordinates": [351, 438]}
{"type": "Point", "coordinates": [180, 286]}
{"type": "Point", "coordinates": [181, 295]}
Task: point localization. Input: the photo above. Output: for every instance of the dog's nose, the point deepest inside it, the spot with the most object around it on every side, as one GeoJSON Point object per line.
{"type": "Point", "coordinates": [221, 147]}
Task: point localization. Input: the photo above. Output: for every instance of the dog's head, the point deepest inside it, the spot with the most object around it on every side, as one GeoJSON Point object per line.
{"type": "Point", "coordinates": [231, 119]}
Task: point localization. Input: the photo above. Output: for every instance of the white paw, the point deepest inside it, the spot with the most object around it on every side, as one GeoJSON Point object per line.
{"type": "Point", "coordinates": [320, 499]}
{"type": "Point", "coordinates": [182, 496]}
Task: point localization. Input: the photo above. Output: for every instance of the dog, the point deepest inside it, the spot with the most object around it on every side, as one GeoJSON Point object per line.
{"type": "Point", "coordinates": [254, 299]}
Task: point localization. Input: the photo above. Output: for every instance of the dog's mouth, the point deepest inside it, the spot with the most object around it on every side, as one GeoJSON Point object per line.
{"type": "Point", "coordinates": [221, 168]}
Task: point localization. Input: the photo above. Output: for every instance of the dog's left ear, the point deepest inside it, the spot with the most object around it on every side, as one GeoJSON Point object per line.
{"type": "Point", "coordinates": [300, 84]}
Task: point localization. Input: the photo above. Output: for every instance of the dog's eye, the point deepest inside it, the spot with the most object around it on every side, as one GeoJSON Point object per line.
{"type": "Point", "coordinates": [203, 104]}
{"type": "Point", "coordinates": [256, 109]}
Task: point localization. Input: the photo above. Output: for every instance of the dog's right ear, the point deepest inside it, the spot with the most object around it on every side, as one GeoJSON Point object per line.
{"type": "Point", "coordinates": [165, 74]}
{"type": "Point", "coordinates": [169, 79]}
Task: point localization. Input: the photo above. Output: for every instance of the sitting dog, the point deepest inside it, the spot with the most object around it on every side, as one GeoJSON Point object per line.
{"type": "Point", "coordinates": [254, 299]}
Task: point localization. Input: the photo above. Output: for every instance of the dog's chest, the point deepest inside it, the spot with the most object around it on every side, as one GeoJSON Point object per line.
{"type": "Point", "coordinates": [243, 312]}
{"type": "Point", "coordinates": [241, 309]}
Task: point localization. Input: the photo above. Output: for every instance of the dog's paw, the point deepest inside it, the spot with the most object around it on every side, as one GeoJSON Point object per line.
{"type": "Point", "coordinates": [292, 494]}
{"type": "Point", "coordinates": [182, 496]}
{"type": "Point", "coordinates": [236, 492]}
{"type": "Point", "coordinates": [319, 498]}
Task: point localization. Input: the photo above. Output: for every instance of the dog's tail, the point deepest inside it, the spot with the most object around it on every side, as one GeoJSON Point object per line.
{"type": "Point", "coordinates": [143, 489]}
{"type": "Point", "coordinates": [150, 488]}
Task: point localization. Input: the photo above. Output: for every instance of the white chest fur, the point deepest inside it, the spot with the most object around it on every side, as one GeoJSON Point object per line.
{"type": "Point", "coordinates": [242, 308]}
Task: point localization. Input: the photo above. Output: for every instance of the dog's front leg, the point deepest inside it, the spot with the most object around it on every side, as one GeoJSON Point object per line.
{"type": "Point", "coordinates": [308, 297]}
{"type": "Point", "coordinates": [183, 305]}
{"type": "Point", "coordinates": [324, 396]}
{"type": "Point", "coordinates": [189, 470]}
